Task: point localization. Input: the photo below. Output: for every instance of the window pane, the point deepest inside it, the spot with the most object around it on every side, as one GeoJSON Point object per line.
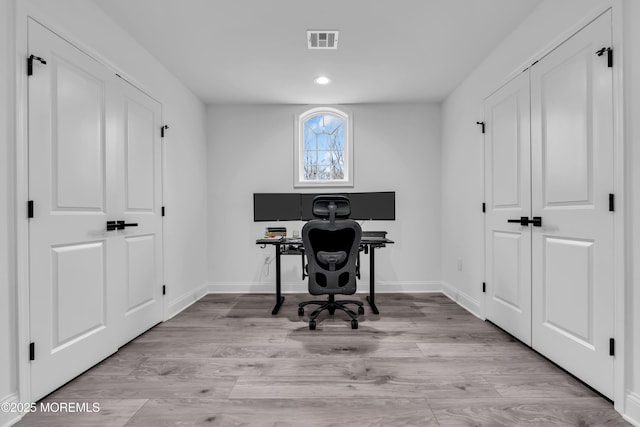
{"type": "Point", "coordinates": [337, 159]}
{"type": "Point", "coordinates": [310, 157]}
{"type": "Point", "coordinates": [337, 139]}
{"type": "Point", "coordinates": [310, 172]}
{"type": "Point", "coordinates": [324, 157]}
{"type": "Point", "coordinates": [309, 139]}
{"type": "Point", "coordinates": [324, 172]}
{"type": "Point", "coordinates": [314, 123]}
{"type": "Point", "coordinates": [331, 123]}
{"type": "Point", "coordinates": [324, 141]}
{"type": "Point", "coordinates": [337, 163]}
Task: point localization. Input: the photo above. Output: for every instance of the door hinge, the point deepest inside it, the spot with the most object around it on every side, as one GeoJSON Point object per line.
{"type": "Point", "coordinates": [162, 210]}
{"type": "Point", "coordinates": [162, 129]}
{"type": "Point", "coordinates": [484, 286]}
{"type": "Point", "coordinates": [30, 63]}
{"type": "Point", "coordinates": [164, 289]}
{"type": "Point", "coordinates": [609, 55]}
{"type": "Point", "coordinates": [30, 209]}
{"type": "Point", "coordinates": [481, 124]}
{"type": "Point", "coordinates": [32, 351]}
{"type": "Point", "coordinates": [612, 203]}
{"type": "Point", "coordinates": [612, 347]}
{"type": "Point", "coordinates": [484, 207]}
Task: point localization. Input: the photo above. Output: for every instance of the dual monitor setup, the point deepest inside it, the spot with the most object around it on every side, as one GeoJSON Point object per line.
{"type": "Point", "coordinates": [380, 205]}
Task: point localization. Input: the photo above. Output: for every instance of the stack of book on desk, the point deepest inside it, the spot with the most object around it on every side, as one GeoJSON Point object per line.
{"type": "Point", "coordinates": [376, 234]}
{"type": "Point", "coordinates": [275, 232]}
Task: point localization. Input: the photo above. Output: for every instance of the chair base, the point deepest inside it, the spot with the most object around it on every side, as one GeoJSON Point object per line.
{"type": "Point", "coordinates": [332, 305]}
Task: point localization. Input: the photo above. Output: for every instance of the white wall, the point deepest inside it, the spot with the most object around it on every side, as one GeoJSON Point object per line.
{"type": "Point", "coordinates": [396, 147]}
{"type": "Point", "coordinates": [462, 164]}
{"type": "Point", "coordinates": [84, 24]}
{"type": "Point", "coordinates": [8, 376]}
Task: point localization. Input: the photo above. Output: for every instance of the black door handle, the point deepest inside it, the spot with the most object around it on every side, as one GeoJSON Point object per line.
{"type": "Point", "coordinates": [119, 225]}
{"type": "Point", "coordinates": [122, 225]}
{"type": "Point", "coordinates": [525, 221]}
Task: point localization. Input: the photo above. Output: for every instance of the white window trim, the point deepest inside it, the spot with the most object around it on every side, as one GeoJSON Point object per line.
{"type": "Point", "coordinates": [298, 174]}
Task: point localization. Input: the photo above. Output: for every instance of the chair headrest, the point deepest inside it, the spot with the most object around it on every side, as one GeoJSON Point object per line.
{"type": "Point", "coordinates": [322, 202]}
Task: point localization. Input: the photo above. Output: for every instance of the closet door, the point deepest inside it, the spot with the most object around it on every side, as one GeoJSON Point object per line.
{"type": "Point", "coordinates": [508, 198]}
{"type": "Point", "coordinates": [94, 156]}
{"type": "Point", "coordinates": [72, 263]}
{"type": "Point", "coordinates": [137, 184]}
{"type": "Point", "coordinates": [572, 176]}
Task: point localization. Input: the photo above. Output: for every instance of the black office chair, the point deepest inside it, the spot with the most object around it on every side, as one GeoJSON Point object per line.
{"type": "Point", "coordinates": [331, 246]}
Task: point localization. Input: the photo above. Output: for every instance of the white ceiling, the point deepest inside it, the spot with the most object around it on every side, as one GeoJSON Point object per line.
{"type": "Point", "coordinates": [255, 51]}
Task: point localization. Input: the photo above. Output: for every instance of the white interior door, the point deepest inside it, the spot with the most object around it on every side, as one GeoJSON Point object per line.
{"type": "Point", "coordinates": [508, 198]}
{"type": "Point", "coordinates": [71, 254]}
{"type": "Point", "coordinates": [94, 156]}
{"type": "Point", "coordinates": [138, 182]}
{"type": "Point", "coordinates": [572, 167]}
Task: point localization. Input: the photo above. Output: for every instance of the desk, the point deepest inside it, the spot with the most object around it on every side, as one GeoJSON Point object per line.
{"type": "Point", "coordinates": [294, 247]}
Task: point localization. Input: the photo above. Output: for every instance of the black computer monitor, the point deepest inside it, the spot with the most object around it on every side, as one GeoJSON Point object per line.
{"type": "Point", "coordinates": [380, 205]}
{"type": "Point", "coordinates": [276, 207]}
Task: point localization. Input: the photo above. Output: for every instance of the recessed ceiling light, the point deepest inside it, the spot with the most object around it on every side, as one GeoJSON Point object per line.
{"type": "Point", "coordinates": [322, 80]}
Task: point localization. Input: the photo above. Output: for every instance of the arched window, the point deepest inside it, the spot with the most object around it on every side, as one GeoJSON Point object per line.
{"type": "Point", "coordinates": [323, 150]}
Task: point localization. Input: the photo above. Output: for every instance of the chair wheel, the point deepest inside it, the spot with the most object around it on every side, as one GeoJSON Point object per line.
{"type": "Point", "coordinates": [300, 311]}
{"type": "Point", "coordinates": [354, 324]}
{"type": "Point", "coordinates": [360, 310]}
{"type": "Point", "coordinates": [332, 311]}
{"type": "Point", "coordinates": [312, 325]}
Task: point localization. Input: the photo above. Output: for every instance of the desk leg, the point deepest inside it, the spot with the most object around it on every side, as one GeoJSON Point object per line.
{"type": "Point", "coordinates": [372, 280]}
{"type": "Point", "coordinates": [279, 297]}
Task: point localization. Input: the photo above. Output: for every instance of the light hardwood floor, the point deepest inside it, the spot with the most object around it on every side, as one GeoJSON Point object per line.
{"type": "Point", "coordinates": [424, 361]}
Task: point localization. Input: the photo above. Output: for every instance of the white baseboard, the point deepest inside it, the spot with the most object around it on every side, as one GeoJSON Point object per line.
{"type": "Point", "coordinates": [184, 301]}
{"type": "Point", "coordinates": [296, 287]}
{"type": "Point", "coordinates": [9, 418]}
{"type": "Point", "coordinates": [409, 287]}
{"type": "Point", "coordinates": [470, 304]}
{"type": "Point", "coordinates": [632, 408]}
{"type": "Point", "coordinates": [252, 288]}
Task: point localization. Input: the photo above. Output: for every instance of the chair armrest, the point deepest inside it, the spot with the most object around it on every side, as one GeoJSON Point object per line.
{"type": "Point", "coordinates": [304, 265]}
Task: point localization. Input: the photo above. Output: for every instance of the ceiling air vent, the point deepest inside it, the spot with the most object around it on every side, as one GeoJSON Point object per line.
{"type": "Point", "coordinates": [322, 39]}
